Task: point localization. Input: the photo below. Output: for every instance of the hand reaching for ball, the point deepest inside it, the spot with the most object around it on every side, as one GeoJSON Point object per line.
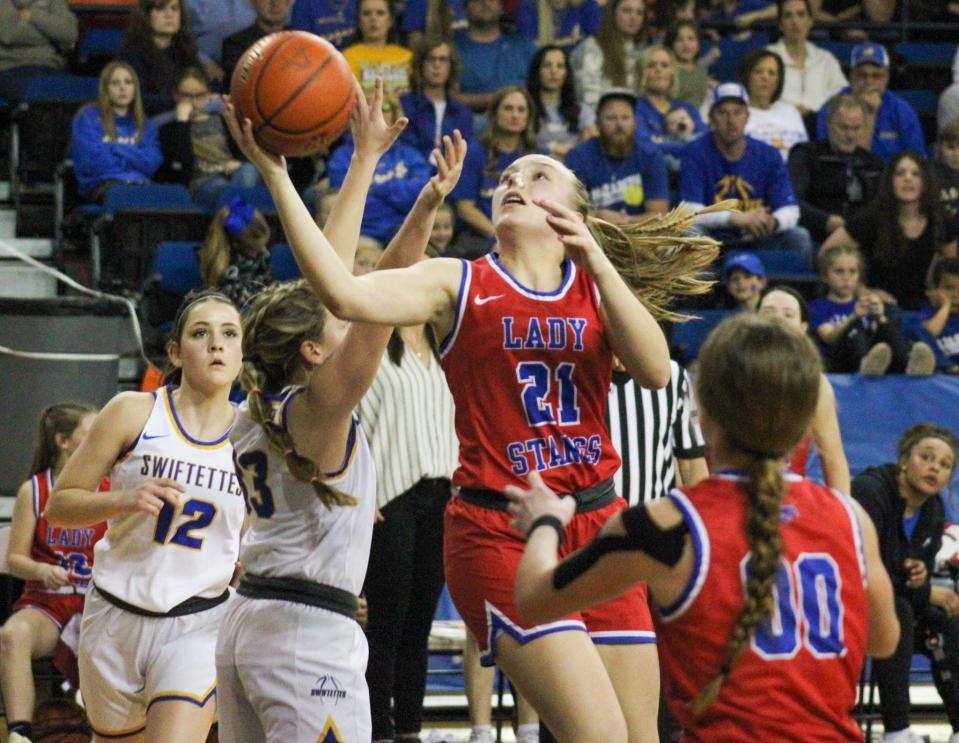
{"type": "Point", "coordinates": [269, 165]}
{"type": "Point", "coordinates": [372, 133]}
{"type": "Point", "coordinates": [449, 167]}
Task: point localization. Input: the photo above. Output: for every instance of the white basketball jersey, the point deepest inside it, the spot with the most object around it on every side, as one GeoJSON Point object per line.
{"type": "Point", "coordinates": [155, 563]}
{"type": "Point", "coordinates": [292, 534]}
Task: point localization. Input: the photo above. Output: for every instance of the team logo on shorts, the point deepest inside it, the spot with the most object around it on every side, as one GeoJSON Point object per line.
{"type": "Point", "coordinates": [327, 687]}
{"type": "Point", "coordinates": [330, 733]}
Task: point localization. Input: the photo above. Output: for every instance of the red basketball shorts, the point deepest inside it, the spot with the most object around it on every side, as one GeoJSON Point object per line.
{"type": "Point", "coordinates": [58, 606]}
{"type": "Point", "coordinates": [482, 552]}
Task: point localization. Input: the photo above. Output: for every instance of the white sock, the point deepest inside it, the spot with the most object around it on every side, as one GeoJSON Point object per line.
{"type": "Point", "coordinates": [526, 733]}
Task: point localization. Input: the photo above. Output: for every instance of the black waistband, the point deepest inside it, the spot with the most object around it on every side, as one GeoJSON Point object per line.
{"type": "Point", "coordinates": [193, 605]}
{"type": "Point", "coordinates": [299, 592]}
{"type": "Point", "coordinates": [591, 499]}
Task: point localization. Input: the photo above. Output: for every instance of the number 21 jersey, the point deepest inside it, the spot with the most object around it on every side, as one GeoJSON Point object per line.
{"type": "Point", "coordinates": [529, 372]}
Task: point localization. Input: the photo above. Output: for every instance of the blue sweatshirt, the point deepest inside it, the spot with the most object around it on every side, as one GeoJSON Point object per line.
{"type": "Point", "coordinates": [421, 131]}
{"type": "Point", "coordinates": [897, 127]}
{"type": "Point", "coordinates": [651, 126]}
{"type": "Point", "coordinates": [128, 158]}
{"type": "Point", "coordinates": [946, 344]}
{"type": "Point", "coordinates": [400, 175]}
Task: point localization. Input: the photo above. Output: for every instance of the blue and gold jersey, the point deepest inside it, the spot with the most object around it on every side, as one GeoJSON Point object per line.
{"type": "Point", "coordinates": [155, 563]}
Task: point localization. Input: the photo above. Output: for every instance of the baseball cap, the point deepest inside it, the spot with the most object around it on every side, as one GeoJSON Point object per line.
{"type": "Point", "coordinates": [728, 92]}
{"type": "Point", "coordinates": [748, 262]}
{"type": "Point", "coordinates": [623, 94]}
{"type": "Point", "coordinates": [871, 52]}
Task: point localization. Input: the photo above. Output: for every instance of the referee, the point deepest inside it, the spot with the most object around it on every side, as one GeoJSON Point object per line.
{"type": "Point", "coordinates": [657, 435]}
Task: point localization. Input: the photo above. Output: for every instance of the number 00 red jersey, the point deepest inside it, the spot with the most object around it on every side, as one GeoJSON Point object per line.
{"type": "Point", "coordinates": [796, 680]}
{"type": "Point", "coordinates": [529, 372]}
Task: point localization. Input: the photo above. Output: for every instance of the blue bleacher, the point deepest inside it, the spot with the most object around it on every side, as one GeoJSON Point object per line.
{"type": "Point", "coordinates": [733, 51]}
{"type": "Point", "coordinates": [688, 337]}
{"type": "Point", "coordinates": [101, 42]}
{"type": "Point", "coordinates": [927, 53]}
{"type": "Point", "coordinates": [922, 101]}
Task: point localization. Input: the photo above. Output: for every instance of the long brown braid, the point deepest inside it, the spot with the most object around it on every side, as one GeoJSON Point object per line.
{"type": "Point", "coordinates": [759, 381]}
{"type": "Point", "coordinates": [656, 257]}
{"type": "Point", "coordinates": [279, 320]}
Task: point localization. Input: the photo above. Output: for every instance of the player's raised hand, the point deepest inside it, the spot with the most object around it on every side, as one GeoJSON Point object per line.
{"type": "Point", "coordinates": [151, 496]}
{"type": "Point", "coordinates": [528, 505]}
{"type": "Point", "coordinates": [449, 165]}
{"type": "Point", "coordinates": [570, 227]}
{"type": "Point", "coordinates": [372, 135]}
{"type": "Point", "coordinates": [266, 162]}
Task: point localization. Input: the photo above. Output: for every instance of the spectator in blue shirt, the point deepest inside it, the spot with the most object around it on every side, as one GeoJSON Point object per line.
{"type": "Point", "coordinates": [431, 18]}
{"type": "Point", "coordinates": [940, 323]}
{"type": "Point", "coordinates": [400, 174]}
{"type": "Point", "coordinates": [624, 178]}
{"type": "Point", "coordinates": [510, 136]}
{"type": "Point", "coordinates": [896, 126]}
{"type": "Point", "coordinates": [663, 121]}
{"type": "Point", "coordinates": [112, 141]}
{"type": "Point", "coordinates": [334, 20]}
{"type": "Point", "coordinates": [490, 58]}
{"type": "Point", "coordinates": [560, 22]}
{"type": "Point", "coordinates": [726, 164]}
{"type": "Point", "coordinates": [431, 109]}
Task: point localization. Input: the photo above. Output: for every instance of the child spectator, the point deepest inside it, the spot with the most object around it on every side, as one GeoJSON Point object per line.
{"type": "Point", "coordinates": [376, 53]}
{"type": "Point", "coordinates": [946, 169]}
{"type": "Point", "coordinates": [158, 44]}
{"type": "Point", "coordinates": [684, 40]}
{"type": "Point", "coordinates": [441, 238]}
{"type": "Point", "coordinates": [855, 328]}
{"type": "Point", "coordinates": [901, 231]}
{"type": "Point", "coordinates": [368, 254]}
{"type": "Point", "coordinates": [560, 22]}
{"type": "Point", "coordinates": [197, 150]}
{"type": "Point", "coordinates": [112, 141]}
{"type": "Point", "coordinates": [745, 278]}
{"type": "Point", "coordinates": [235, 259]}
{"type": "Point", "coordinates": [558, 115]}
{"type": "Point", "coordinates": [940, 324]}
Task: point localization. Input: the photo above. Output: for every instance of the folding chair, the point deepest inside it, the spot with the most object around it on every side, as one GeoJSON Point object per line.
{"type": "Point", "coordinates": [283, 264]}
{"type": "Point", "coordinates": [176, 271]}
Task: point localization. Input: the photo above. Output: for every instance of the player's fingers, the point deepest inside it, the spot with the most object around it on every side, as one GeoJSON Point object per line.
{"type": "Point", "coordinates": [168, 483]}
{"type": "Point", "coordinates": [399, 125]}
{"type": "Point", "coordinates": [515, 494]}
{"type": "Point", "coordinates": [377, 104]}
{"type": "Point", "coordinates": [556, 208]}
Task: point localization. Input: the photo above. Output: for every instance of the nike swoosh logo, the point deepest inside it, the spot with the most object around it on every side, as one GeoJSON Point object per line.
{"type": "Point", "coordinates": [147, 437]}
{"type": "Point", "coordinates": [484, 300]}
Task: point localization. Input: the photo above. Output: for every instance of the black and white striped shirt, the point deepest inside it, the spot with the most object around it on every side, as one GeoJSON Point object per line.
{"type": "Point", "coordinates": [649, 429]}
{"type": "Point", "coordinates": [407, 415]}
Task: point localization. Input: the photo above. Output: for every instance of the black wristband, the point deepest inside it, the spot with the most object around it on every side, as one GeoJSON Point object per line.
{"type": "Point", "coordinates": [547, 520]}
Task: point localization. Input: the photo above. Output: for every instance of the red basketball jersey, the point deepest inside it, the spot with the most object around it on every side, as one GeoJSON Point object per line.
{"type": "Point", "coordinates": [70, 548]}
{"type": "Point", "coordinates": [799, 457]}
{"type": "Point", "coordinates": [796, 681]}
{"type": "Point", "coordinates": [529, 372]}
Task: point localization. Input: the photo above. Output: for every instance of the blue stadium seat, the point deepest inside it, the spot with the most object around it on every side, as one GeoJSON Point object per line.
{"type": "Point", "coordinates": [175, 267]}
{"type": "Point", "coordinates": [283, 264]}
{"type": "Point", "coordinates": [927, 53]}
{"type": "Point", "coordinates": [733, 51]}
{"type": "Point", "coordinates": [100, 42]}
{"type": "Point", "coordinates": [922, 101]}
{"type": "Point", "coordinates": [688, 337]}
{"type": "Point", "coordinates": [841, 50]}
{"type": "Point", "coordinates": [148, 196]}
{"type": "Point", "coordinates": [785, 265]}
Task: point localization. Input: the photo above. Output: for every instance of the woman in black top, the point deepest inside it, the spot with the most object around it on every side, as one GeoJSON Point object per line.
{"type": "Point", "coordinates": [159, 44]}
{"type": "Point", "coordinates": [901, 232]}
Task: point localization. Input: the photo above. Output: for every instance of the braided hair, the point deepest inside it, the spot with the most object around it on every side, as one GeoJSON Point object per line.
{"type": "Point", "coordinates": [277, 323]}
{"type": "Point", "coordinates": [758, 380]}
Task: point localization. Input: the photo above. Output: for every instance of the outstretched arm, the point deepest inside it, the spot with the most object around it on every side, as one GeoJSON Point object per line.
{"type": "Point", "coordinates": [828, 440]}
{"type": "Point", "coordinates": [632, 333]}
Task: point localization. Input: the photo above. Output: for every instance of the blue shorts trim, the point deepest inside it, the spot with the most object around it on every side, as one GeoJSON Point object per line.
{"type": "Point", "coordinates": [498, 622]}
{"type": "Point", "coordinates": [638, 637]}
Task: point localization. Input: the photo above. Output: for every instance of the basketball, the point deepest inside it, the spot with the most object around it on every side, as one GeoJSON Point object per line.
{"type": "Point", "coordinates": [296, 89]}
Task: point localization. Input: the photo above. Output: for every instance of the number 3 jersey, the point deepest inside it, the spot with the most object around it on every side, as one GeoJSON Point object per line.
{"type": "Point", "coordinates": [529, 372]}
{"type": "Point", "coordinates": [69, 547]}
{"type": "Point", "coordinates": [155, 563]}
{"type": "Point", "coordinates": [797, 678]}
{"type": "Point", "coordinates": [292, 534]}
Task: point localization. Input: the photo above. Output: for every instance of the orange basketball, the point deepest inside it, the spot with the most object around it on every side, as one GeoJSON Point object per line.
{"type": "Point", "coordinates": [298, 91]}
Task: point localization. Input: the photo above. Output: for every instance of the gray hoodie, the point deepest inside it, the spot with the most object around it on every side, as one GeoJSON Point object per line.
{"type": "Point", "coordinates": [949, 100]}
{"type": "Point", "coordinates": [43, 40]}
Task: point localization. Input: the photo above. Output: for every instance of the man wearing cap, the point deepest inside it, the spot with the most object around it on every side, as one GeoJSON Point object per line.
{"type": "Point", "coordinates": [726, 164]}
{"type": "Point", "coordinates": [834, 177]}
{"type": "Point", "coordinates": [891, 124]}
{"type": "Point", "coordinates": [745, 279]}
{"type": "Point", "coordinates": [624, 177]}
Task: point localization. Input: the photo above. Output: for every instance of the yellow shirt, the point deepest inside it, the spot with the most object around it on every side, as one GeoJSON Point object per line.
{"type": "Point", "coordinates": [391, 62]}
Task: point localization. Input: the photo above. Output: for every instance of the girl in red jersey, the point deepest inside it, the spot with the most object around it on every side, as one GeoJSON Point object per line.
{"type": "Point", "coordinates": [529, 332]}
{"type": "Point", "coordinates": [786, 304]}
{"type": "Point", "coordinates": [770, 588]}
{"type": "Point", "coordinates": [55, 563]}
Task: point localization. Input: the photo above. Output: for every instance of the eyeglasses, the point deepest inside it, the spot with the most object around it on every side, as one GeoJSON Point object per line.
{"type": "Point", "coordinates": [438, 60]}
